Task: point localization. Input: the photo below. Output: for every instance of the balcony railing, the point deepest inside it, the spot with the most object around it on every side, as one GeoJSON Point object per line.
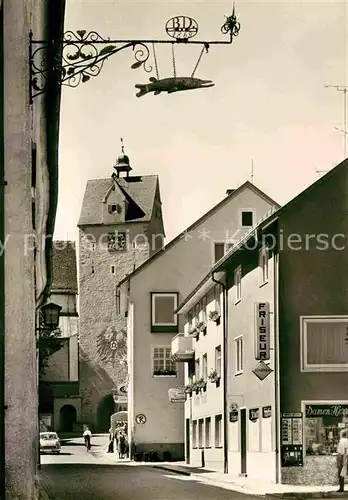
{"type": "Point", "coordinates": [182, 348]}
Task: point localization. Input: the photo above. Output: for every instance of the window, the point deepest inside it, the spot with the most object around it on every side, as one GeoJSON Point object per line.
{"type": "Point", "coordinates": [238, 344]}
{"type": "Point", "coordinates": [207, 432]}
{"type": "Point", "coordinates": [118, 301]}
{"type": "Point", "coordinates": [219, 251]}
{"type": "Point", "coordinates": [112, 269]}
{"type": "Point", "coordinates": [117, 241]}
{"type": "Point", "coordinates": [205, 367]}
{"type": "Point", "coordinates": [204, 310]}
{"type": "Point", "coordinates": [197, 310]}
{"type": "Point", "coordinates": [200, 432]}
{"type": "Point", "coordinates": [163, 306]}
{"type": "Point", "coordinates": [194, 434]}
{"type": "Point", "coordinates": [218, 360]}
{"type": "Point", "coordinates": [263, 259]}
{"type": "Point", "coordinates": [238, 283]}
{"type": "Point", "coordinates": [218, 431]}
{"type": "Point", "coordinates": [197, 369]}
{"type": "Point", "coordinates": [190, 320]}
{"type": "Point", "coordinates": [92, 269]}
{"type": "Point", "coordinates": [324, 343]}
{"type": "Point", "coordinates": [93, 247]}
{"type": "Point", "coordinates": [247, 218]}
{"type": "Point", "coordinates": [162, 363]}
{"type": "Point", "coordinates": [217, 292]}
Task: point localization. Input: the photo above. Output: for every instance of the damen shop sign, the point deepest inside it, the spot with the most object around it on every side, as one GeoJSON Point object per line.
{"type": "Point", "coordinates": [334, 410]}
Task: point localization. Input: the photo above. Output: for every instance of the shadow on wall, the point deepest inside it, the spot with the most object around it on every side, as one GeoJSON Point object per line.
{"type": "Point", "coordinates": [96, 387]}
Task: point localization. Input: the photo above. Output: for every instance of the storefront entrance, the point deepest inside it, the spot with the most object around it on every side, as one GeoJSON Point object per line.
{"type": "Point", "coordinates": [243, 441]}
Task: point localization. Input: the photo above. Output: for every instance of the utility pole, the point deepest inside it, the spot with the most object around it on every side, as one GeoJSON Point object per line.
{"type": "Point", "coordinates": [344, 89]}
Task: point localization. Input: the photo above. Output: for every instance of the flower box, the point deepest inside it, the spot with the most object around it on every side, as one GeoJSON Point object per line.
{"type": "Point", "coordinates": [202, 327]}
{"type": "Point", "coordinates": [214, 378]}
{"type": "Point", "coordinates": [215, 316]}
{"type": "Point", "coordinates": [164, 373]}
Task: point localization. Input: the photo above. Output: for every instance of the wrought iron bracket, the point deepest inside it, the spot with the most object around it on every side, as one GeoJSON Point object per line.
{"type": "Point", "coordinates": [80, 56]}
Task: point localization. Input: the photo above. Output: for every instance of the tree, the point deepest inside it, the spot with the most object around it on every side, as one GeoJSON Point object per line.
{"type": "Point", "coordinates": [48, 342]}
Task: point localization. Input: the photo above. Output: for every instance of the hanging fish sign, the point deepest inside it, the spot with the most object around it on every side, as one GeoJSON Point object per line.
{"type": "Point", "coordinates": [181, 27]}
{"type": "Point", "coordinates": [173, 84]}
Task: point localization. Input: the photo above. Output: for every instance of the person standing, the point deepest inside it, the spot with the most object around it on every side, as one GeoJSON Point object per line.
{"type": "Point", "coordinates": [87, 437]}
{"type": "Point", "coordinates": [342, 459]}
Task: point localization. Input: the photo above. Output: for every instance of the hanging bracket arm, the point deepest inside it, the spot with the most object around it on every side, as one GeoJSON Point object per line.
{"type": "Point", "coordinates": [80, 55]}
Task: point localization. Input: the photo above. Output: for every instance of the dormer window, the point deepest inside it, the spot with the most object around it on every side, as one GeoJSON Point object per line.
{"type": "Point", "coordinates": [114, 208]}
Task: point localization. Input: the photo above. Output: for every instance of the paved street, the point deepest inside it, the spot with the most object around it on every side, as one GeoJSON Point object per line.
{"type": "Point", "coordinates": [77, 474]}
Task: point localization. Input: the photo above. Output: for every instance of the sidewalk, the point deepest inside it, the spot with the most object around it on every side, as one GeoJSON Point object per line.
{"type": "Point", "coordinates": [240, 484]}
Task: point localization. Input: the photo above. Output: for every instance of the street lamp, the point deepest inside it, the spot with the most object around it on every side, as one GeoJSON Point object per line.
{"type": "Point", "coordinates": [80, 55]}
{"type": "Point", "coordinates": [50, 316]}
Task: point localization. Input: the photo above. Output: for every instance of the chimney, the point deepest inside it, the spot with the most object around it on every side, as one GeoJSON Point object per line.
{"type": "Point", "coordinates": [229, 191]}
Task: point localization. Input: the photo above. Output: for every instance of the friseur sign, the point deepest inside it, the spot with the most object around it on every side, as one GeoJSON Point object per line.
{"type": "Point", "coordinates": [262, 334]}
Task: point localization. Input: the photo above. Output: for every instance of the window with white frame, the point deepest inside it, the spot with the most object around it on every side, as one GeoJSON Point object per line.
{"type": "Point", "coordinates": [207, 432]}
{"type": "Point", "coordinates": [197, 369]}
{"type": "Point", "coordinates": [263, 260]}
{"type": "Point", "coordinates": [205, 366]}
{"type": "Point", "coordinates": [163, 306]}
{"type": "Point", "coordinates": [217, 292]}
{"type": "Point", "coordinates": [204, 310]}
{"type": "Point", "coordinates": [238, 283]}
{"type": "Point", "coordinates": [238, 349]}
{"type": "Point", "coordinates": [200, 432]}
{"type": "Point", "coordinates": [162, 364]}
{"type": "Point", "coordinates": [219, 250]}
{"type": "Point", "coordinates": [324, 343]}
{"type": "Point", "coordinates": [194, 434]}
{"type": "Point", "coordinates": [218, 360]}
{"type": "Point", "coordinates": [218, 431]}
{"type": "Point", "coordinates": [197, 310]}
{"type": "Point", "coordinates": [189, 321]}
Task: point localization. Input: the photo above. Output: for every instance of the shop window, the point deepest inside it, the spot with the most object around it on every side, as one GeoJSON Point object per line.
{"type": "Point", "coordinates": [324, 343]}
{"type": "Point", "coordinates": [238, 349]}
{"type": "Point", "coordinates": [163, 306]}
{"type": "Point", "coordinates": [194, 434]}
{"type": "Point", "coordinates": [207, 432]}
{"type": "Point", "coordinates": [162, 364]}
{"type": "Point", "coordinates": [322, 426]}
{"type": "Point", "coordinates": [218, 431]}
{"type": "Point", "coordinates": [238, 283]}
{"type": "Point", "coordinates": [200, 432]}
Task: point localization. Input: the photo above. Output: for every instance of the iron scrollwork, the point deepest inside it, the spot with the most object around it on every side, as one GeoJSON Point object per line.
{"type": "Point", "coordinates": [81, 55]}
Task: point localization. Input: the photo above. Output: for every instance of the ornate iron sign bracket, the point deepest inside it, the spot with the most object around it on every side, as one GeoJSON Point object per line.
{"type": "Point", "coordinates": [82, 55]}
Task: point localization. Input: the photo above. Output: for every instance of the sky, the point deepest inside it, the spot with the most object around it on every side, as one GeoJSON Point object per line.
{"type": "Point", "coordinates": [269, 106]}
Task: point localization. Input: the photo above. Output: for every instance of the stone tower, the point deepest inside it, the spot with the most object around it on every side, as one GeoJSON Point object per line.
{"type": "Point", "coordinates": [120, 226]}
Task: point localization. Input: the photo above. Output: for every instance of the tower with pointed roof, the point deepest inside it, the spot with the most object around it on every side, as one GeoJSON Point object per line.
{"type": "Point", "coordinates": [120, 226]}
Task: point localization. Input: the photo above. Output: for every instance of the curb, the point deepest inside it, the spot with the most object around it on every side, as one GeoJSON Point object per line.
{"type": "Point", "coordinates": [169, 469]}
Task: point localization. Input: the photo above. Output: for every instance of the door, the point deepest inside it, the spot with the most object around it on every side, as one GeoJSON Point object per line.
{"type": "Point", "coordinates": [243, 441]}
{"type": "Point", "coordinates": [188, 443]}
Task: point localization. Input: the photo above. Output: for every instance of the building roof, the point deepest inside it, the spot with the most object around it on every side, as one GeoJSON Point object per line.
{"type": "Point", "coordinates": [141, 190]}
{"type": "Point", "coordinates": [64, 274]}
{"type": "Point", "coordinates": [232, 194]}
{"type": "Point", "coordinates": [266, 221]}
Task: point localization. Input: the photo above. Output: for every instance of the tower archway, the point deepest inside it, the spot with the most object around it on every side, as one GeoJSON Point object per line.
{"type": "Point", "coordinates": [106, 408]}
{"type": "Point", "coordinates": [67, 418]}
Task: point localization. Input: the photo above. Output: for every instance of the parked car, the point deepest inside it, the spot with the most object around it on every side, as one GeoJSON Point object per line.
{"type": "Point", "coordinates": [49, 441]}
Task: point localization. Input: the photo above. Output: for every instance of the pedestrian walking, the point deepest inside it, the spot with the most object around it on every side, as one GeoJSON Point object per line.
{"type": "Point", "coordinates": [342, 458]}
{"type": "Point", "coordinates": [87, 435]}
{"type": "Point", "coordinates": [111, 441]}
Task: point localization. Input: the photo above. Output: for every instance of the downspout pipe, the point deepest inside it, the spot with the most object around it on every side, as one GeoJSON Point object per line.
{"type": "Point", "coordinates": [276, 365]}
{"type": "Point", "coordinates": [2, 261]}
{"type": "Point", "coordinates": [225, 356]}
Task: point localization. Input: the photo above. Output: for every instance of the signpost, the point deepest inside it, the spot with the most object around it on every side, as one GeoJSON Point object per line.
{"type": "Point", "coordinates": [262, 334]}
{"type": "Point", "coordinates": [262, 370]}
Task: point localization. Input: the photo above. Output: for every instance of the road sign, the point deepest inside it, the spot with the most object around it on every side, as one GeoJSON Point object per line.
{"type": "Point", "coordinates": [262, 370]}
{"type": "Point", "coordinates": [140, 419]}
